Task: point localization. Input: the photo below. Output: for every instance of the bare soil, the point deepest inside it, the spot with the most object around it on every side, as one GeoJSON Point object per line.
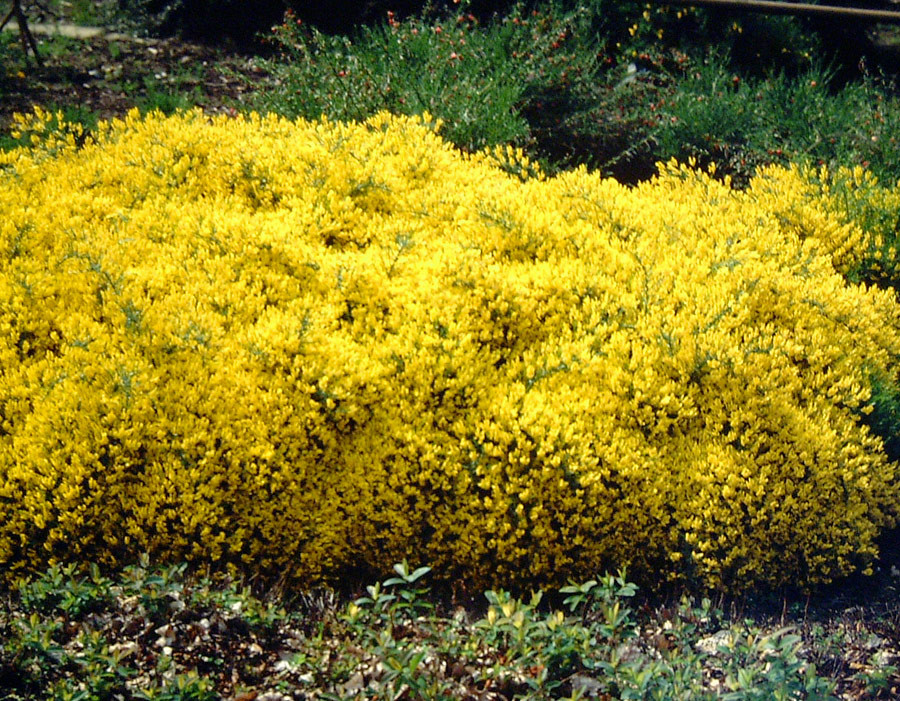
{"type": "Point", "coordinates": [108, 74]}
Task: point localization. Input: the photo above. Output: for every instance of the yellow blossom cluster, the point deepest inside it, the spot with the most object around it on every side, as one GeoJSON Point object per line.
{"type": "Point", "coordinates": [311, 347]}
{"type": "Point", "coordinates": [860, 212]}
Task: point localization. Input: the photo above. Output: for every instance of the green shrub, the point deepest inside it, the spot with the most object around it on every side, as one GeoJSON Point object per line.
{"type": "Point", "coordinates": [615, 86]}
{"type": "Point", "coordinates": [717, 115]}
{"type": "Point", "coordinates": [476, 79]}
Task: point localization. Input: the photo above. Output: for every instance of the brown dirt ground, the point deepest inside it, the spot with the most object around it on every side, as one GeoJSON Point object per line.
{"type": "Point", "coordinates": [110, 74]}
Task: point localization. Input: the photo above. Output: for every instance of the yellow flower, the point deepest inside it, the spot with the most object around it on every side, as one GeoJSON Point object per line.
{"type": "Point", "coordinates": [301, 347]}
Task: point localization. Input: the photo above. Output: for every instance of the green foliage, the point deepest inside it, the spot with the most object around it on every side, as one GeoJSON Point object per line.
{"type": "Point", "coordinates": [393, 642]}
{"type": "Point", "coordinates": [40, 654]}
{"type": "Point", "coordinates": [477, 79]}
{"type": "Point", "coordinates": [616, 86]}
{"type": "Point", "coordinates": [156, 588]}
{"type": "Point", "coordinates": [524, 650]}
{"type": "Point", "coordinates": [757, 666]}
{"type": "Point", "coordinates": [31, 648]}
{"type": "Point", "coordinates": [184, 687]}
{"type": "Point", "coordinates": [56, 634]}
{"type": "Point", "coordinates": [61, 589]}
{"type": "Point", "coordinates": [81, 12]}
{"type": "Point", "coordinates": [885, 416]}
{"type": "Point", "coordinates": [879, 678]}
{"type": "Point", "coordinates": [716, 114]}
{"type": "Point", "coordinates": [167, 102]}
{"type": "Point", "coordinates": [98, 672]}
{"type": "Point", "coordinates": [228, 596]}
{"type": "Point", "coordinates": [58, 45]}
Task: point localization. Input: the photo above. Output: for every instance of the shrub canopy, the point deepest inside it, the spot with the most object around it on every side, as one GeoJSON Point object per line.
{"type": "Point", "coordinates": [313, 347]}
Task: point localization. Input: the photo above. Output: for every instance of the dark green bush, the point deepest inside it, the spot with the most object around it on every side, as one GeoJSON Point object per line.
{"type": "Point", "coordinates": [484, 81]}
{"type": "Point", "coordinates": [715, 114]}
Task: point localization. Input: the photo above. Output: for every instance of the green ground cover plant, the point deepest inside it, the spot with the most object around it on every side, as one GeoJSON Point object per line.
{"type": "Point", "coordinates": [160, 633]}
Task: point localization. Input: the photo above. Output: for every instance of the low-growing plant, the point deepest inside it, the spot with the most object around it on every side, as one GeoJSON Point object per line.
{"type": "Point", "coordinates": [240, 601]}
{"type": "Point", "coordinates": [525, 650]}
{"type": "Point", "coordinates": [33, 648]}
{"type": "Point", "coordinates": [98, 673]}
{"type": "Point", "coordinates": [880, 679]}
{"type": "Point", "coordinates": [393, 627]}
{"type": "Point", "coordinates": [181, 687]}
{"type": "Point", "coordinates": [158, 588]}
{"type": "Point", "coordinates": [62, 589]}
{"type": "Point", "coordinates": [393, 641]}
{"type": "Point", "coordinates": [41, 656]}
{"type": "Point", "coordinates": [756, 665]}
{"type": "Point", "coordinates": [395, 601]}
{"type": "Point", "coordinates": [169, 94]}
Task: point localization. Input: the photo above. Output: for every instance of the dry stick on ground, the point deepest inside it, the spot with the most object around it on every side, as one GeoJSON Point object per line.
{"type": "Point", "coordinates": [24, 32]}
{"type": "Point", "coordinates": [780, 7]}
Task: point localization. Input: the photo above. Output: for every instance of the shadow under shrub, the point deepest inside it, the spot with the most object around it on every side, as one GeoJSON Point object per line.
{"type": "Point", "coordinates": [301, 348]}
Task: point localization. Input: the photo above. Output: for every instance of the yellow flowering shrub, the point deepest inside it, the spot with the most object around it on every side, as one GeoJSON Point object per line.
{"type": "Point", "coordinates": [853, 214]}
{"type": "Point", "coordinates": [310, 348]}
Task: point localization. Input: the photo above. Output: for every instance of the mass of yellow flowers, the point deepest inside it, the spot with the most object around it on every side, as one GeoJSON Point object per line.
{"type": "Point", "coordinates": [309, 348]}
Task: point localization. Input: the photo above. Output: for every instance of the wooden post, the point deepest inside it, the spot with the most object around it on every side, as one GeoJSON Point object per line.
{"type": "Point", "coordinates": [25, 34]}
{"type": "Point", "coordinates": [775, 7]}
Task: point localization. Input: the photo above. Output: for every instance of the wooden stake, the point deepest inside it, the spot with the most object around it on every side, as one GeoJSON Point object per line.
{"type": "Point", "coordinates": [794, 8]}
{"type": "Point", "coordinates": [24, 32]}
